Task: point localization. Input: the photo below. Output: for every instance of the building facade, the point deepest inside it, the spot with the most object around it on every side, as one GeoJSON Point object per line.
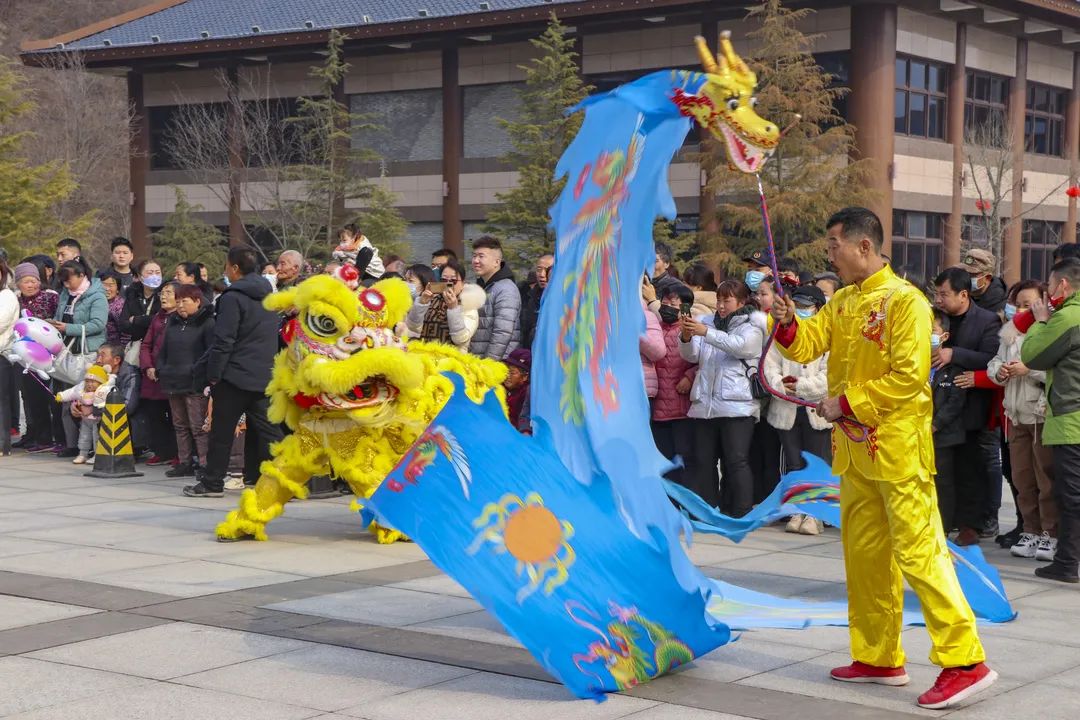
{"type": "Point", "coordinates": [437, 77]}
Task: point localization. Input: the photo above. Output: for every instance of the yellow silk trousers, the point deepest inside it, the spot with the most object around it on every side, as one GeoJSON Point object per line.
{"type": "Point", "coordinates": [891, 532]}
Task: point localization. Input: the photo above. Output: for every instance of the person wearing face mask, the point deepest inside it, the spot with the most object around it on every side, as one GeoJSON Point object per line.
{"type": "Point", "coordinates": [757, 269]}
{"type": "Point", "coordinates": [801, 429]}
{"type": "Point", "coordinates": [675, 375]}
{"type": "Point", "coordinates": [1032, 462]}
{"type": "Point", "coordinates": [1053, 345]}
{"type": "Point", "coordinates": [141, 300]}
{"type": "Point", "coordinates": [987, 290]}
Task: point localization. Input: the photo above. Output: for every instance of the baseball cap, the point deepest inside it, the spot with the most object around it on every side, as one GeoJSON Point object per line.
{"type": "Point", "coordinates": [978, 262]}
{"type": "Point", "coordinates": [520, 358]}
{"type": "Point", "coordinates": [758, 257]}
{"type": "Point", "coordinates": [808, 295]}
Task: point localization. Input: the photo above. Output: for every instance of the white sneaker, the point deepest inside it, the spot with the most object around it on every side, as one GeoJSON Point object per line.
{"type": "Point", "coordinates": [1028, 545]}
{"type": "Point", "coordinates": [79, 460]}
{"type": "Point", "coordinates": [1047, 548]}
{"type": "Point", "coordinates": [811, 526]}
{"type": "Point", "coordinates": [234, 483]}
{"type": "Point", "coordinates": [794, 524]}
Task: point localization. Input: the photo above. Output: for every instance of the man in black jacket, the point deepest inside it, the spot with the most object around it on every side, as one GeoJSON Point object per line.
{"type": "Point", "coordinates": [238, 366]}
{"type": "Point", "coordinates": [972, 343]}
{"type": "Point", "coordinates": [530, 301]}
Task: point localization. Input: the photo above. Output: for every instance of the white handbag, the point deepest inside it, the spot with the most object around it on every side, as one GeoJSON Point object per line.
{"type": "Point", "coordinates": [69, 367]}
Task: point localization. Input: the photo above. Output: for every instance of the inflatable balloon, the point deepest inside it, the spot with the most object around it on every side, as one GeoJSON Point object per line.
{"type": "Point", "coordinates": [40, 332]}
{"type": "Point", "coordinates": [31, 355]}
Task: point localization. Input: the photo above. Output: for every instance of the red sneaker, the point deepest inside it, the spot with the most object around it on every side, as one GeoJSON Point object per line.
{"type": "Point", "coordinates": [954, 685]}
{"type": "Point", "coordinates": [858, 672]}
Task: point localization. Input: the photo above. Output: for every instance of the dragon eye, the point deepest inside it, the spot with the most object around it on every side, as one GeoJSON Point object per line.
{"type": "Point", "coordinates": [733, 104]}
{"type": "Point", "coordinates": [753, 101]}
{"type": "Point", "coordinates": [321, 324]}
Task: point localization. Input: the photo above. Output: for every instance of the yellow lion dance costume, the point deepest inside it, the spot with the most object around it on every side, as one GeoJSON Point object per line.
{"type": "Point", "coordinates": [353, 393]}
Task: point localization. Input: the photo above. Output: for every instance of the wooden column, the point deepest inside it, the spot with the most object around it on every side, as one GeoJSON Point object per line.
{"type": "Point", "coordinates": [955, 113]}
{"type": "Point", "coordinates": [341, 148]}
{"type": "Point", "coordinates": [708, 222]}
{"type": "Point", "coordinates": [873, 61]}
{"type": "Point", "coordinates": [237, 235]}
{"type": "Point", "coordinates": [1011, 250]}
{"type": "Point", "coordinates": [139, 166]}
{"type": "Point", "coordinates": [452, 150]}
{"type": "Point", "coordinates": [1072, 147]}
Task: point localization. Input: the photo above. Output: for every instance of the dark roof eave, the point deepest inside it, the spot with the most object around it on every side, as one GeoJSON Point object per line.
{"type": "Point", "coordinates": [104, 57]}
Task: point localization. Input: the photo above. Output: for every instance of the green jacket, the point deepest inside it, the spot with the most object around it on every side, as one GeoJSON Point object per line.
{"type": "Point", "coordinates": [1054, 346]}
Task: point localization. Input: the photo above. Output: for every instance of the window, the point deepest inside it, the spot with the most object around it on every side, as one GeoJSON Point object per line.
{"type": "Point", "coordinates": [1044, 120]}
{"type": "Point", "coordinates": [195, 127]}
{"type": "Point", "coordinates": [838, 65]}
{"type": "Point", "coordinates": [382, 128]}
{"type": "Point", "coordinates": [917, 245]}
{"type": "Point", "coordinates": [920, 99]}
{"type": "Point", "coordinates": [986, 102]}
{"type": "Point", "coordinates": [1038, 240]}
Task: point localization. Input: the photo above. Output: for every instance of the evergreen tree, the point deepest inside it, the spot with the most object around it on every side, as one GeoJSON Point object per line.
{"type": "Point", "coordinates": [811, 174]}
{"type": "Point", "coordinates": [539, 134]}
{"type": "Point", "coordinates": [327, 171]}
{"type": "Point", "coordinates": [187, 238]}
{"type": "Point", "coordinates": [29, 193]}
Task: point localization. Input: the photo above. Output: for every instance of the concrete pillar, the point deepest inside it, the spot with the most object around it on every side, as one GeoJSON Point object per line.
{"type": "Point", "coordinates": [452, 150]}
{"type": "Point", "coordinates": [1011, 250]}
{"type": "Point", "coordinates": [235, 120]}
{"type": "Point", "coordinates": [708, 223]}
{"type": "Point", "coordinates": [955, 135]}
{"type": "Point", "coordinates": [1072, 146]}
{"type": "Point", "coordinates": [870, 104]}
{"type": "Point", "coordinates": [139, 166]}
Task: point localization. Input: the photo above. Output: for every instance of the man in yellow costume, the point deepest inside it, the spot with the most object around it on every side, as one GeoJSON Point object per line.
{"type": "Point", "coordinates": [877, 332]}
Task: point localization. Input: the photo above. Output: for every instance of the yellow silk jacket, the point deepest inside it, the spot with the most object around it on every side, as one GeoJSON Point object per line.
{"type": "Point", "coordinates": [878, 337]}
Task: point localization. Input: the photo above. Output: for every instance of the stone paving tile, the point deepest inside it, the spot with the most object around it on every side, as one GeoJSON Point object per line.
{"type": "Point", "coordinates": [193, 578]}
{"type": "Point", "coordinates": [27, 684]}
{"type": "Point", "coordinates": [437, 584]}
{"type": "Point", "coordinates": [1069, 679]}
{"type": "Point", "coordinates": [709, 554]}
{"type": "Point", "coordinates": [133, 491]}
{"type": "Point", "coordinates": [326, 678]}
{"type": "Point", "coordinates": [384, 606]}
{"type": "Point", "coordinates": [63, 632]}
{"type": "Point", "coordinates": [480, 626]}
{"type": "Point", "coordinates": [811, 678]}
{"type": "Point", "coordinates": [808, 566]}
{"type": "Point", "coordinates": [167, 701]}
{"type": "Point", "coordinates": [12, 546]}
{"type": "Point", "coordinates": [1021, 655]}
{"type": "Point", "coordinates": [746, 657]}
{"type": "Point", "coordinates": [19, 612]}
{"type": "Point", "coordinates": [15, 521]}
{"type": "Point", "coordinates": [680, 712]}
{"type": "Point", "coordinates": [484, 696]}
{"type": "Point", "coordinates": [306, 560]}
{"type": "Point", "coordinates": [168, 651]}
{"type": "Point", "coordinates": [1029, 701]}
{"type": "Point", "coordinates": [118, 535]}
{"type": "Point", "coordinates": [46, 500]}
{"type": "Point", "coordinates": [82, 563]}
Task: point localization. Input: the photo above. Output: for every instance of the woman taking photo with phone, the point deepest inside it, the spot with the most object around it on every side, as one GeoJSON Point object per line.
{"type": "Point", "coordinates": [448, 310]}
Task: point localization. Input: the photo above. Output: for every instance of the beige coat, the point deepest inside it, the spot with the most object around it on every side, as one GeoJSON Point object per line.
{"type": "Point", "coordinates": [812, 385]}
{"type": "Point", "coordinates": [462, 319]}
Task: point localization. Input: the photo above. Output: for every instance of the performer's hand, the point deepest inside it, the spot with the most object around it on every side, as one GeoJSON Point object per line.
{"type": "Point", "coordinates": [648, 292]}
{"type": "Point", "coordinates": [691, 327]}
{"type": "Point", "coordinates": [941, 357]}
{"type": "Point", "coordinates": [783, 310]}
{"type": "Point", "coordinates": [965, 380]}
{"type": "Point", "coordinates": [683, 386]}
{"type": "Point", "coordinates": [1041, 309]}
{"type": "Point", "coordinates": [830, 409]}
{"type": "Point", "coordinates": [1017, 369]}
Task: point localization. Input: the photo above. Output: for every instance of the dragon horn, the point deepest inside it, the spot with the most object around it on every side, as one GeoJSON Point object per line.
{"type": "Point", "coordinates": [727, 53]}
{"type": "Point", "coordinates": [708, 62]}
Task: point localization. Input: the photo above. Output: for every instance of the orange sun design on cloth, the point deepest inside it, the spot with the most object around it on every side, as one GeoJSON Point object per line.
{"type": "Point", "coordinates": [531, 534]}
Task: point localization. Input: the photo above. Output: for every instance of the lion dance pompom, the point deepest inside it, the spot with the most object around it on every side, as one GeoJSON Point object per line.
{"type": "Point", "coordinates": [355, 396]}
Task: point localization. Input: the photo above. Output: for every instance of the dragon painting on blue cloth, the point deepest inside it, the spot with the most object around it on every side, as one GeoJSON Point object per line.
{"type": "Point", "coordinates": [568, 537]}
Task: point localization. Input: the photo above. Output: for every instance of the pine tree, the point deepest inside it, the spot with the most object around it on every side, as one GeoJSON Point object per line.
{"type": "Point", "coordinates": [810, 176]}
{"type": "Point", "coordinates": [29, 193]}
{"type": "Point", "coordinates": [540, 134]}
{"type": "Point", "coordinates": [328, 172]}
{"type": "Point", "coordinates": [187, 238]}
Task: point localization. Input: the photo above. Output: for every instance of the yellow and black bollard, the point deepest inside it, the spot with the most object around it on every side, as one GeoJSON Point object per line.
{"type": "Point", "coordinates": [113, 457]}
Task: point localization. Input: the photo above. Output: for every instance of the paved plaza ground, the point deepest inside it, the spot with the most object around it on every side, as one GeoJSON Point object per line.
{"type": "Point", "coordinates": [116, 603]}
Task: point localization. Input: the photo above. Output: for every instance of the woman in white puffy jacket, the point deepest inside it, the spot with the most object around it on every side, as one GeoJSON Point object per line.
{"type": "Point", "coordinates": [450, 316]}
{"type": "Point", "coordinates": [726, 348]}
{"type": "Point", "coordinates": [1025, 407]}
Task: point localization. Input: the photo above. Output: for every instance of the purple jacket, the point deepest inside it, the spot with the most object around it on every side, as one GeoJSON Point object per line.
{"type": "Point", "coordinates": [148, 355]}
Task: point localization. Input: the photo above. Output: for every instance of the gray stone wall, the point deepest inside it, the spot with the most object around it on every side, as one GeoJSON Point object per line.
{"type": "Point", "coordinates": [483, 106]}
{"type": "Point", "coordinates": [409, 124]}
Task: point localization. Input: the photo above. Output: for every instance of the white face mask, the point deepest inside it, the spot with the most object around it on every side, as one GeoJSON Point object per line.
{"type": "Point", "coordinates": [935, 341]}
{"type": "Point", "coordinates": [272, 279]}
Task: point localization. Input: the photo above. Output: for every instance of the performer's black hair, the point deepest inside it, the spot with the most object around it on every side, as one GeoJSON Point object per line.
{"type": "Point", "coordinates": [858, 222]}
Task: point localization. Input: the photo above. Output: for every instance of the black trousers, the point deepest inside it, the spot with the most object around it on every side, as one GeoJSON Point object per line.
{"type": "Point", "coordinates": [230, 402]}
{"type": "Point", "coordinates": [765, 456]}
{"type": "Point", "coordinates": [802, 437]}
{"type": "Point", "coordinates": [991, 444]}
{"type": "Point", "coordinates": [1067, 494]}
{"type": "Point", "coordinates": [162, 438]}
{"type": "Point", "coordinates": [38, 402]}
{"type": "Point", "coordinates": [7, 376]}
{"type": "Point", "coordinates": [727, 440]}
{"type": "Point", "coordinates": [56, 415]}
{"type": "Point", "coordinates": [961, 484]}
{"type": "Point", "coordinates": [674, 438]}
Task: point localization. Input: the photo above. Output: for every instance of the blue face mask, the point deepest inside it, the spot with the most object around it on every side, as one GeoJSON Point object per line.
{"type": "Point", "coordinates": [1010, 311]}
{"type": "Point", "coordinates": [152, 281]}
{"type": "Point", "coordinates": [804, 313]}
{"type": "Point", "coordinates": [753, 279]}
{"type": "Point", "coordinates": [935, 341]}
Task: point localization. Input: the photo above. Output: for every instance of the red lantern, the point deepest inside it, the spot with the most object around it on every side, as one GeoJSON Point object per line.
{"type": "Point", "coordinates": [1073, 191]}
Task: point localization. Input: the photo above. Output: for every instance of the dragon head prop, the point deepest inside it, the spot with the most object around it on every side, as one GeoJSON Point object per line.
{"type": "Point", "coordinates": [725, 106]}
